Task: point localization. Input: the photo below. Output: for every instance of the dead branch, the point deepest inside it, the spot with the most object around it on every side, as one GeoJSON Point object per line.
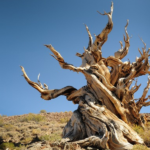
{"type": "Point", "coordinates": [103, 36]}
{"type": "Point", "coordinates": [48, 94]}
{"type": "Point", "coordinates": [90, 38]}
{"type": "Point", "coordinates": [120, 54]}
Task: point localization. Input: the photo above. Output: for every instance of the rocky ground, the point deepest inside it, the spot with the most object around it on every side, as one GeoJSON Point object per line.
{"type": "Point", "coordinates": [37, 132]}
{"type": "Point", "coordinates": [26, 131]}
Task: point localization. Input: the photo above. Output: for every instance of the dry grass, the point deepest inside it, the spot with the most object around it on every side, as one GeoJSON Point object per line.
{"type": "Point", "coordinates": [50, 138]}
{"type": "Point", "coordinates": [43, 111]}
{"type": "Point", "coordinates": [138, 129]}
{"type": "Point", "coordinates": [1, 121]}
{"type": "Point", "coordinates": [36, 131]}
{"type": "Point", "coordinates": [4, 135]}
{"type": "Point", "coordinates": [64, 120]}
{"type": "Point", "coordinates": [30, 127]}
{"type": "Point", "coordinates": [140, 147]}
{"type": "Point", "coordinates": [27, 140]}
{"type": "Point", "coordinates": [7, 145]}
{"type": "Point", "coordinates": [9, 127]}
{"type": "Point", "coordinates": [144, 134]}
{"type": "Point", "coordinates": [33, 117]}
{"type": "Point", "coordinates": [11, 146]}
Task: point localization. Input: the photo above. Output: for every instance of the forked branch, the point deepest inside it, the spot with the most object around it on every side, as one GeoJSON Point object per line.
{"type": "Point", "coordinates": [140, 67]}
{"type": "Point", "coordinates": [48, 94]}
{"type": "Point", "coordinates": [135, 87]}
{"type": "Point", "coordinates": [61, 61]}
{"type": "Point", "coordinates": [120, 54]}
{"type": "Point", "coordinates": [103, 36]}
{"type": "Point", "coordinates": [90, 38]}
{"type": "Point", "coordinates": [142, 101]}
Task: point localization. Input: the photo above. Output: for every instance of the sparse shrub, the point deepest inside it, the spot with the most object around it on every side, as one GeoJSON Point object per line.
{"type": "Point", "coordinates": [9, 127]}
{"type": "Point", "coordinates": [13, 134]}
{"type": "Point", "coordinates": [36, 131]}
{"type": "Point", "coordinates": [138, 129]}
{"type": "Point", "coordinates": [33, 117]}
{"type": "Point", "coordinates": [11, 146]}
{"type": "Point", "coordinates": [148, 124]}
{"type": "Point", "coordinates": [140, 147]}
{"type": "Point", "coordinates": [43, 111]}
{"type": "Point", "coordinates": [1, 122]}
{"type": "Point", "coordinates": [51, 138]}
{"type": "Point", "coordinates": [72, 146]}
{"type": "Point", "coordinates": [4, 136]}
{"type": "Point", "coordinates": [144, 134]}
{"type": "Point", "coordinates": [44, 127]}
{"type": "Point", "coordinates": [7, 145]}
{"type": "Point", "coordinates": [146, 137]}
{"type": "Point", "coordinates": [55, 137]}
{"type": "Point", "coordinates": [64, 120]}
{"type": "Point", "coordinates": [20, 147]}
{"type": "Point", "coordinates": [44, 138]}
{"type": "Point", "coordinates": [27, 140]}
{"type": "Point", "coordinates": [54, 122]}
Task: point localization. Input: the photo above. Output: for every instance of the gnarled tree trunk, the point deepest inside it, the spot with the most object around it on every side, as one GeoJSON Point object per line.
{"type": "Point", "coordinates": [106, 104]}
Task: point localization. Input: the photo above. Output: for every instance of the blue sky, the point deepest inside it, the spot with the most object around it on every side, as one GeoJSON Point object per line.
{"type": "Point", "coordinates": [25, 26]}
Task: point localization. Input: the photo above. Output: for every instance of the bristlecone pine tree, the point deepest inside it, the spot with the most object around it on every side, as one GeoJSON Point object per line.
{"type": "Point", "coordinates": [106, 104]}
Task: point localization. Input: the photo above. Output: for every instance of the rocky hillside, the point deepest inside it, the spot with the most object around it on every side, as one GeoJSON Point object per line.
{"type": "Point", "coordinates": [42, 132]}
{"type": "Point", "coordinates": [17, 132]}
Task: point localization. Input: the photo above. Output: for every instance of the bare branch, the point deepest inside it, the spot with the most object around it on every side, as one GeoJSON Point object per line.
{"type": "Point", "coordinates": [79, 55]}
{"type": "Point", "coordinates": [39, 81]}
{"type": "Point", "coordinates": [135, 88]}
{"type": "Point", "coordinates": [129, 84]}
{"type": "Point", "coordinates": [33, 84]}
{"type": "Point", "coordinates": [127, 36]}
{"type": "Point", "coordinates": [46, 86]}
{"type": "Point", "coordinates": [61, 61]}
{"type": "Point", "coordinates": [146, 89]}
{"type": "Point", "coordinates": [139, 68]}
{"type": "Point", "coordinates": [103, 36]}
{"type": "Point", "coordinates": [142, 101]}
{"type": "Point", "coordinates": [145, 53]}
{"type": "Point", "coordinates": [90, 38]}
{"type": "Point", "coordinates": [48, 94]}
{"type": "Point", "coordinates": [144, 48]}
{"type": "Point", "coordinates": [140, 51]}
{"type": "Point", "coordinates": [146, 103]}
{"type": "Point", "coordinates": [121, 45]}
{"type": "Point", "coordinates": [120, 54]}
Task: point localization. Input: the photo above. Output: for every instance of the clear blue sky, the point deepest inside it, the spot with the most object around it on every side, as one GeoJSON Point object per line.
{"type": "Point", "coordinates": [26, 25]}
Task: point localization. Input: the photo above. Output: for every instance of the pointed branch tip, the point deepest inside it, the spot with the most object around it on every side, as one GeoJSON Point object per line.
{"type": "Point", "coordinates": [143, 43]}
{"type": "Point", "coordinates": [38, 77]}
{"type": "Point", "coordinates": [48, 46]}
{"type": "Point", "coordinates": [54, 57]}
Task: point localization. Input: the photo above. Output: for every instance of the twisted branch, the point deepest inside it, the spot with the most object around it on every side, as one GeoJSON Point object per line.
{"type": "Point", "coordinates": [49, 94]}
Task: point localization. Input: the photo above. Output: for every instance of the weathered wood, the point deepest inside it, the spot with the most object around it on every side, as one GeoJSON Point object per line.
{"type": "Point", "coordinates": [106, 104]}
{"type": "Point", "coordinates": [120, 54]}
